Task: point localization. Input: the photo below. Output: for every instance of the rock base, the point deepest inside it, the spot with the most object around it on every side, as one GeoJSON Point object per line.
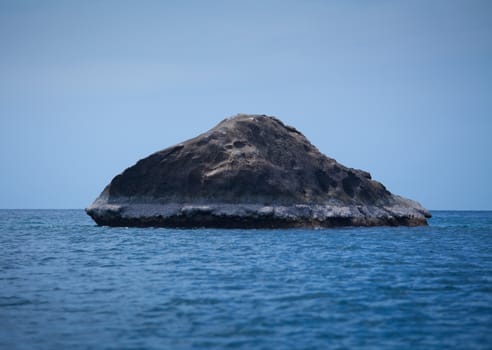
{"type": "Point", "coordinates": [253, 216]}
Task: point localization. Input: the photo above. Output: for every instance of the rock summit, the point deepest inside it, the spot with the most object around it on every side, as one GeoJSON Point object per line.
{"type": "Point", "coordinates": [249, 171]}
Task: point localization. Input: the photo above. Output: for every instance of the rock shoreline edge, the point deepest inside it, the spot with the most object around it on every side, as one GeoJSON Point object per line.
{"type": "Point", "coordinates": [253, 216]}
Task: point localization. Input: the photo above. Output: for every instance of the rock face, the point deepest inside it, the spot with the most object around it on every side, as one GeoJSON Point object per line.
{"type": "Point", "coordinates": [250, 171]}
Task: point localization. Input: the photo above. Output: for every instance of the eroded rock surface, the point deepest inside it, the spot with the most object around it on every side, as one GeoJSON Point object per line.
{"type": "Point", "coordinates": [250, 171]}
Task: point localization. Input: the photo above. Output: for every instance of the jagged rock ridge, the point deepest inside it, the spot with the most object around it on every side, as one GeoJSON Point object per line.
{"type": "Point", "coordinates": [249, 171]}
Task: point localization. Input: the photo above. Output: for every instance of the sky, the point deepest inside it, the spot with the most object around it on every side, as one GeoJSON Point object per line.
{"type": "Point", "coordinates": [402, 89]}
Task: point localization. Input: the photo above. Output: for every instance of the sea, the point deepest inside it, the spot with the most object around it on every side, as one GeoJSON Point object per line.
{"type": "Point", "coordinates": [66, 283]}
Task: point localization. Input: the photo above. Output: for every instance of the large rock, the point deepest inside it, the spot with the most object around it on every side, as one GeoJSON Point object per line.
{"type": "Point", "coordinates": [249, 171]}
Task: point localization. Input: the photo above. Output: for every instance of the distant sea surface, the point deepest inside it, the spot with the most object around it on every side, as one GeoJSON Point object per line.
{"type": "Point", "coordinates": [68, 284]}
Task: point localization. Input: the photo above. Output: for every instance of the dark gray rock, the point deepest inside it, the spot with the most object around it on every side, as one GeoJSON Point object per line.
{"type": "Point", "coordinates": [249, 171]}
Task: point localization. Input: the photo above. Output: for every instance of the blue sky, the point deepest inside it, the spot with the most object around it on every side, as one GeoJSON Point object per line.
{"type": "Point", "coordinates": [402, 89]}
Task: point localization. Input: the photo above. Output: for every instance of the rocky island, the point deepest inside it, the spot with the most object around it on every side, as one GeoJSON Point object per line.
{"type": "Point", "coordinates": [249, 171]}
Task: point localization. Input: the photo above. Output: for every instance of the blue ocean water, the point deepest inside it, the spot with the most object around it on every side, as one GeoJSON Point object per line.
{"type": "Point", "coordinates": [68, 284]}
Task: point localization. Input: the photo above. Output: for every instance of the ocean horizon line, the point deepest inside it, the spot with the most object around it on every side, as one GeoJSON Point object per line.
{"type": "Point", "coordinates": [432, 210]}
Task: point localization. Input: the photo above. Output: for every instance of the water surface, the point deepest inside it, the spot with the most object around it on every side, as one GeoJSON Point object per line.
{"type": "Point", "coordinates": [66, 283]}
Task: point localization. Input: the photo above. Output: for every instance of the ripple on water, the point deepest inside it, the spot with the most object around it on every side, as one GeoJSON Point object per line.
{"type": "Point", "coordinates": [66, 283]}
